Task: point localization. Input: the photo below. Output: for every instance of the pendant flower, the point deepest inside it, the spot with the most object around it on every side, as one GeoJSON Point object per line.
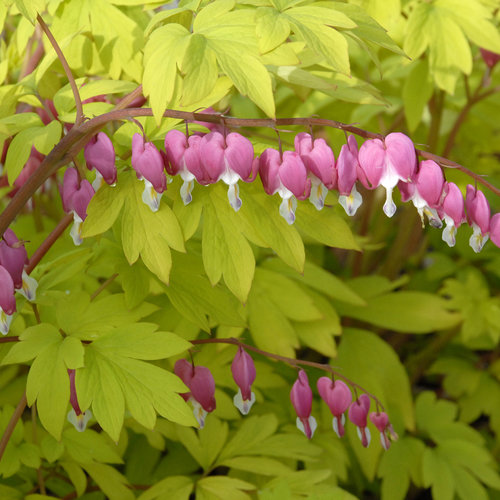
{"type": "Point", "coordinates": [347, 169]}
{"type": "Point", "coordinates": [301, 397]}
{"type": "Point", "coordinates": [381, 421]}
{"type": "Point", "coordinates": [478, 217]}
{"type": "Point", "coordinates": [148, 164]}
{"type": "Point", "coordinates": [201, 383]}
{"type": "Point", "coordinates": [13, 257]}
{"type": "Point", "coordinates": [386, 163]}
{"type": "Point", "coordinates": [452, 212]}
{"type": "Point", "coordinates": [337, 395]}
{"type": "Point", "coordinates": [76, 198]}
{"type": "Point", "coordinates": [183, 158]}
{"type": "Point", "coordinates": [7, 300]}
{"type": "Point", "coordinates": [358, 413]}
{"type": "Point", "coordinates": [243, 370]}
{"type": "Point", "coordinates": [100, 155]}
{"type": "Point", "coordinates": [286, 176]}
{"type": "Point", "coordinates": [495, 229]}
{"type": "Point", "coordinates": [75, 416]}
{"type": "Point", "coordinates": [319, 160]}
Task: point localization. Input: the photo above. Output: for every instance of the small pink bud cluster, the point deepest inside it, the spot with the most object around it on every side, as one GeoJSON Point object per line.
{"type": "Point", "coordinates": [337, 395]}
{"type": "Point", "coordinates": [201, 385]}
{"type": "Point", "coordinates": [13, 258]}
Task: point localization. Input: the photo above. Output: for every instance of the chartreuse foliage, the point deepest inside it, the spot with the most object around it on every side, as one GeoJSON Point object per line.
{"type": "Point", "coordinates": [411, 321]}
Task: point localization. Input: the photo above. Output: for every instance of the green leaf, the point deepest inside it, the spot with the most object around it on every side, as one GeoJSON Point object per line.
{"type": "Point", "coordinates": [437, 475]}
{"type": "Point", "coordinates": [90, 446]}
{"type": "Point", "coordinates": [179, 487]}
{"type": "Point", "coordinates": [72, 352]}
{"type": "Point", "coordinates": [223, 487]}
{"type": "Point", "coordinates": [225, 250]}
{"type": "Point", "coordinates": [30, 8]}
{"type": "Point", "coordinates": [113, 484]}
{"type": "Point", "coordinates": [258, 465]}
{"type": "Point", "coordinates": [11, 125]}
{"type": "Point", "coordinates": [417, 91]}
{"type": "Point", "coordinates": [51, 449]}
{"type": "Point", "coordinates": [271, 28]}
{"type": "Point", "coordinates": [76, 476]}
{"type": "Point", "coordinates": [19, 152]}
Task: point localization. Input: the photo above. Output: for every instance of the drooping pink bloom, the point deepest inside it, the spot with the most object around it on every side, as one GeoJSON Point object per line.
{"type": "Point", "coordinates": [495, 229]}
{"type": "Point", "coordinates": [381, 421]}
{"type": "Point", "coordinates": [76, 198]}
{"type": "Point", "coordinates": [75, 416]}
{"type": "Point", "coordinates": [426, 191]}
{"type": "Point", "coordinates": [337, 395]}
{"type": "Point", "coordinates": [229, 159]}
{"type": "Point", "coordinates": [243, 370]}
{"type": "Point", "coordinates": [13, 257]}
{"type": "Point", "coordinates": [490, 58]}
{"type": "Point", "coordinates": [183, 158]}
{"type": "Point", "coordinates": [347, 170]}
{"type": "Point", "coordinates": [452, 212]}
{"type": "Point", "coordinates": [148, 164]}
{"type": "Point", "coordinates": [7, 300]}
{"type": "Point", "coordinates": [386, 163]}
{"type": "Point", "coordinates": [201, 383]}
{"type": "Point", "coordinates": [100, 155]}
{"type": "Point", "coordinates": [319, 160]}
{"type": "Point", "coordinates": [358, 413]}
{"type": "Point", "coordinates": [478, 217]}
{"type": "Point", "coordinates": [287, 176]}
{"type": "Point", "coordinates": [301, 397]}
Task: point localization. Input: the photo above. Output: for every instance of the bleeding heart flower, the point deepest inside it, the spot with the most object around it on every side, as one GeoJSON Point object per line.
{"type": "Point", "coordinates": [452, 212]}
{"type": "Point", "coordinates": [381, 421]}
{"type": "Point", "coordinates": [347, 169]}
{"type": "Point", "coordinates": [100, 155]}
{"type": "Point", "coordinates": [490, 58]}
{"type": "Point", "coordinates": [243, 370]}
{"type": "Point", "coordinates": [7, 300]}
{"type": "Point", "coordinates": [478, 217]}
{"type": "Point", "coordinates": [75, 416]}
{"type": "Point", "coordinates": [337, 395]}
{"type": "Point", "coordinates": [495, 229]}
{"type": "Point", "coordinates": [301, 397]}
{"type": "Point", "coordinates": [358, 413]}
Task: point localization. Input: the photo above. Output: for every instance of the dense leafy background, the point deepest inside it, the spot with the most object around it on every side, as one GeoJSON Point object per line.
{"type": "Point", "coordinates": [395, 309]}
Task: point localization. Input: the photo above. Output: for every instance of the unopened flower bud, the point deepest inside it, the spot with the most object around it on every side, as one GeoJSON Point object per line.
{"type": "Point", "coordinates": [7, 300]}
{"type": "Point", "coordinates": [301, 397]}
{"type": "Point", "coordinates": [381, 421]}
{"type": "Point", "coordinates": [75, 416]}
{"type": "Point", "coordinates": [243, 370]}
{"type": "Point", "coordinates": [100, 155]}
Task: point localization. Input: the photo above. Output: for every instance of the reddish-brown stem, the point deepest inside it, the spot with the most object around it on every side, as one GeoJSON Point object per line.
{"type": "Point", "coordinates": [103, 286]}
{"type": "Point", "coordinates": [12, 424]}
{"type": "Point", "coordinates": [4, 340]}
{"type": "Point", "coordinates": [48, 242]}
{"type": "Point", "coordinates": [67, 70]}
{"type": "Point", "coordinates": [291, 361]}
{"type": "Point", "coordinates": [32, 61]}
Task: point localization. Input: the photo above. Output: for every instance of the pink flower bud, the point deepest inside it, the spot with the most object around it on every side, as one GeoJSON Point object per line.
{"type": "Point", "coordinates": [358, 412]}
{"type": "Point", "coordinates": [81, 199]}
{"type": "Point", "coordinates": [301, 397]}
{"type": "Point", "coordinates": [478, 217]}
{"type": "Point", "coordinates": [337, 395]}
{"type": "Point", "coordinates": [7, 300]}
{"type": "Point", "coordinates": [381, 421]}
{"type": "Point", "coordinates": [386, 163]}
{"type": "Point", "coordinates": [347, 169]}
{"type": "Point", "coordinates": [495, 229]}
{"type": "Point", "coordinates": [69, 187]}
{"type": "Point", "coordinates": [76, 417]}
{"type": "Point", "coordinates": [293, 175]}
{"type": "Point", "coordinates": [201, 383]}
{"type": "Point", "coordinates": [452, 211]}
{"type": "Point", "coordinates": [269, 165]}
{"type": "Point", "coordinates": [100, 154]}
{"type": "Point", "coordinates": [243, 370]}
{"type": "Point", "coordinates": [13, 257]}
{"type": "Point", "coordinates": [490, 58]}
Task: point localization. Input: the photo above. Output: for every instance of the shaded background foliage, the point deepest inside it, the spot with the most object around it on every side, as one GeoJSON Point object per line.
{"type": "Point", "coordinates": [387, 302]}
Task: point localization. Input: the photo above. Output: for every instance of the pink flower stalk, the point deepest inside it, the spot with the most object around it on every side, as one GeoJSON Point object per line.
{"type": "Point", "coordinates": [490, 58]}
{"type": "Point", "coordinates": [75, 198]}
{"type": "Point", "coordinates": [386, 163]}
{"type": "Point", "coordinates": [243, 370]}
{"type": "Point", "coordinates": [100, 155]}
{"type": "Point", "coordinates": [229, 159]}
{"type": "Point", "coordinates": [319, 160]}
{"type": "Point", "coordinates": [381, 421]}
{"type": "Point", "coordinates": [75, 416]}
{"type": "Point", "coordinates": [337, 395]}
{"type": "Point", "coordinates": [301, 397]}
{"type": "Point", "coordinates": [148, 164]}
{"type": "Point", "coordinates": [358, 412]}
{"type": "Point", "coordinates": [495, 229]}
{"type": "Point", "coordinates": [425, 191]}
{"type": "Point", "coordinates": [7, 300]}
{"type": "Point", "coordinates": [286, 176]}
{"type": "Point", "coordinates": [347, 170]}
{"type": "Point", "coordinates": [478, 217]}
{"type": "Point", "coordinates": [183, 158]}
{"type": "Point", "coordinates": [452, 212]}
{"type": "Point", "coordinates": [13, 257]}
{"type": "Point", "coordinates": [201, 383]}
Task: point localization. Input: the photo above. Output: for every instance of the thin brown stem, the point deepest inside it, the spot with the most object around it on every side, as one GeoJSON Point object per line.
{"type": "Point", "coordinates": [12, 424]}
{"type": "Point", "coordinates": [4, 340]}
{"type": "Point", "coordinates": [291, 361]}
{"type": "Point", "coordinates": [41, 482]}
{"type": "Point", "coordinates": [37, 314]}
{"type": "Point", "coordinates": [67, 70]}
{"type": "Point", "coordinates": [103, 286]}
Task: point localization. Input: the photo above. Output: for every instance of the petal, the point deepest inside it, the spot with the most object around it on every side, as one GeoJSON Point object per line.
{"type": "Point", "coordinates": [307, 426]}
{"type": "Point", "coordinates": [79, 421]}
{"type": "Point", "coordinates": [269, 164]}
{"type": "Point", "coordinates": [449, 232]}
{"type": "Point", "coordinates": [5, 321]}
{"type": "Point", "coordinates": [293, 173]}
{"type": "Point", "coordinates": [175, 145]}
{"type": "Point", "coordinates": [401, 156]}
{"type": "Point", "coordinates": [238, 155]}
{"type": "Point", "coordinates": [29, 287]}
{"type": "Point", "coordinates": [150, 197]}
{"type": "Point", "coordinates": [352, 202]}
{"type": "Point", "coordinates": [389, 205]}
{"type": "Point", "coordinates": [495, 229]}
{"type": "Point", "coordinates": [233, 195]}
{"type": "Point", "coordinates": [372, 162]}
{"type": "Point", "coordinates": [318, 194]}
{"type": "Point", "coordinates": [199, 413]}
{"type": "Point", "coordinates": [364, 436]}
{"type": "Point", "coordinates": [338, 425]}
{"type": "Point", "coordinates": [76, 230]}
{"type": "Point", "coordinates": [477, 239]}
{"type": "Point", "coordinates": [287, 209]}
{"type": "Point", "coordinates": [243, 405]}
{"type": "Point", "coordinates": [185, 191]}
{"type": "Point", "coordinates": [212, 148]}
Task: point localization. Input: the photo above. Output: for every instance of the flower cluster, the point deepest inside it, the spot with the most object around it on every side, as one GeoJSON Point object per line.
{"type": "Point", "coordinates": [13, 277]}
{"type": "Point", "coordinates": [335, 393]}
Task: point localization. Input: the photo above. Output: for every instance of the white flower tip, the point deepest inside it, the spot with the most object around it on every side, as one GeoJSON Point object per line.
{"type": "Point", "coordinates": [233, 192]}
{"type": "Point", "coordinates": [352, 202]}
{"type": "Point", "coordinates": [339, 430]}
{"type": "Point", "coordinates": [384, 441]}
{"type": "Point", "coordinates": [5, 321]}
{"type": "Point", "coordinates": [243, 405]}
{"type": "Point", "coordinates": [364, 436]}
{"type": "Point", "coordinates": [389, 208]}
{"type": "Point", "coordinates": [150, 197]}
{"type": "Point", "coordinates": [449, 235]}
{"type": "Point", "coordinates": [29, 287]}
{"type": "Point", "coordinates": [477, 240]}
{"type": "Point", "coordinates": [186, 188]}
{"type": "Point", "coordinates": [287, 209]}
{"type": "Point", "coordinates": [199, 413]}
{"type": "Point", "coordinates": [318, 195]}
{"type": "Point", "coordinates": [312, 425]}
{"type": "Point", "coordinates": [98, 181]}
{"type": "Point", "coordinates": [79, 421]}
{"type": "Point", "coordinates": [76, 230]}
